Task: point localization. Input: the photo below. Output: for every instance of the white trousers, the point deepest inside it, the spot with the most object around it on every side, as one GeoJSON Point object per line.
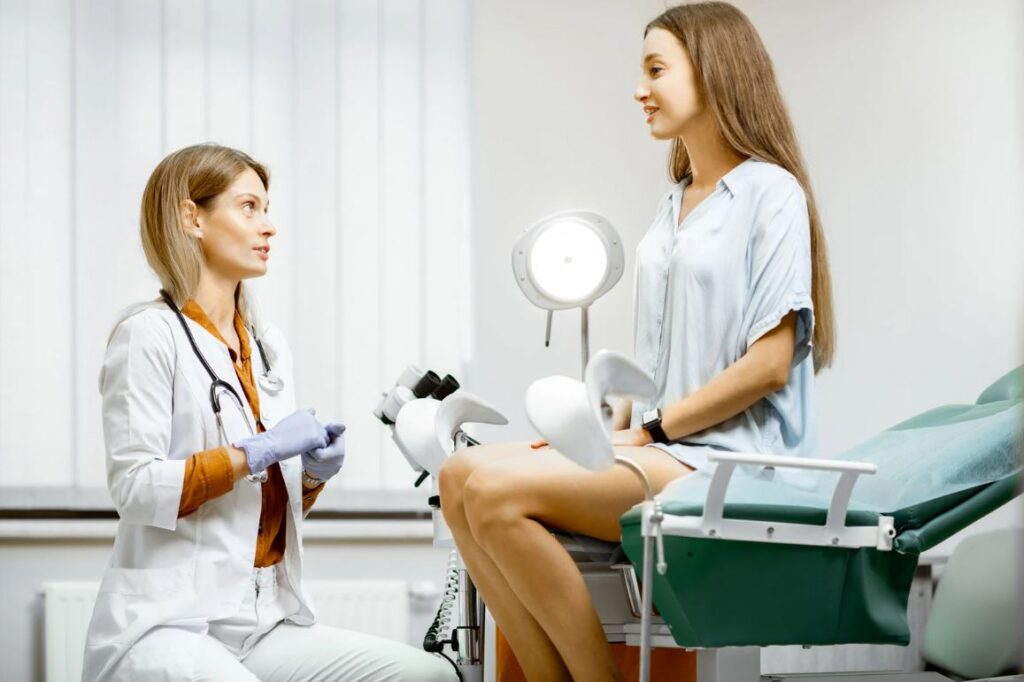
{"type": "Point", "coordinates": [256, 644]}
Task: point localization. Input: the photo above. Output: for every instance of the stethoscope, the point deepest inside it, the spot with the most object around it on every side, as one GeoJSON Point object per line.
{"type": "Point", "coordinates": [218, 387]}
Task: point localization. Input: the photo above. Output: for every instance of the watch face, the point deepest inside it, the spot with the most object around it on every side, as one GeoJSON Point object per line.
{"type": "Point", "coordinates": [650, 415]}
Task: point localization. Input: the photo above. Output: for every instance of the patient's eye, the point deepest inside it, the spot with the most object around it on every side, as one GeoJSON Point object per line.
{"type": "Point", "coordinates": [249, 207]}
{"type": "Point", "coordinates": [655, 70]}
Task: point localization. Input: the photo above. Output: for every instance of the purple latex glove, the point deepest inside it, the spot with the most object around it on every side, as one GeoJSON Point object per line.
{"type": "Point", "coordinates": [297, 433]}
{"type": "Point", "coordinates": [322, 463]}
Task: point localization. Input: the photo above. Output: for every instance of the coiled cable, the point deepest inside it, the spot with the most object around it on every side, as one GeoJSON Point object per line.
{"type": "Point", "coordinates": [439, 632]}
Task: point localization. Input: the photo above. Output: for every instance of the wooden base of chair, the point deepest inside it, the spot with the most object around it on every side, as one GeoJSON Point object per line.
{"type": "Point", "coordinates": [667, 665]}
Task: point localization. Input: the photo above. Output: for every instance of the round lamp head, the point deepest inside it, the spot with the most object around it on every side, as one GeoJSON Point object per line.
{"type": "Point", "coordinates": [568, 260]}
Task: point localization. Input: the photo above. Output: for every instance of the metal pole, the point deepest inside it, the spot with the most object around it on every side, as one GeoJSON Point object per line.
{"type": "Point", "coordinates": [647, 594]}
{"type": "Point", "coordinates": [470, 632]}
{"type": "Point", "coordinates": [585, 336]}
{"type": "Point", "coordinates": [647, 599]}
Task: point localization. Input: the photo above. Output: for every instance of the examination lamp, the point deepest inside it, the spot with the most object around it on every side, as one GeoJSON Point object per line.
{"type": "Point", "coordinates": [568, 260]}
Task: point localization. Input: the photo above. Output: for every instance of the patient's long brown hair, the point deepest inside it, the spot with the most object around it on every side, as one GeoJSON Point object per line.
{"type": "Point", "coordinates": [739, 88]}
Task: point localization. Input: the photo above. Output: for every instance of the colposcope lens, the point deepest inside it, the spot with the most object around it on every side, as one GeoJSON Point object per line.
{"type": "Point", "coordinates": [448, 386]}
{"type": "Point", "coordinates": [427, 384]}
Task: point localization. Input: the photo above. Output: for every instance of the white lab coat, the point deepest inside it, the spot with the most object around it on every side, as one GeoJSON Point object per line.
{"type": "Point", "coordinates": [166, 571]}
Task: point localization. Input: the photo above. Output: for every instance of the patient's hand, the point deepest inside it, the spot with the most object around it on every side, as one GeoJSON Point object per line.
{"type": "Point", "coordinates": [626, 437]}
{"type": "Point", "coordinates": [638, 437]}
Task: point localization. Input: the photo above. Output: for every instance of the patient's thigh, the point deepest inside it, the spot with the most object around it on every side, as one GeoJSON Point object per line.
{"type": "Point", "coordinates": [545, 486]}
{"type": "Point", "coordinates": [466, 461]}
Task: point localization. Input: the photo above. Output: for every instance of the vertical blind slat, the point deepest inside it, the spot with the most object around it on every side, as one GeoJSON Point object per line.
{"type": "Point", "coordinates": [359, 257]}
{"type": "Point", "coordinates": [316, 234]}
{"type": "Point", "coordinates": [98, 221]}
{"type": "Point", "coordinates": [14, 217]}
{"type": "Point", "coordinates": [403, 289]}
{"type": "Point", "coordinates": [271, 99]}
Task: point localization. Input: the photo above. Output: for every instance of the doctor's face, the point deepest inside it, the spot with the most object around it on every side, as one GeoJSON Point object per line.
{"type": "Point", "coordinates": [235, 230]}
{"type": "Point", "coordinates": [668, 88]}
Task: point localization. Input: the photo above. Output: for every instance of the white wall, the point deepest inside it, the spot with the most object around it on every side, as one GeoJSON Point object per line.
{"type": "Point", "coordinates": [554, 127]}
{"type": "Point", "coordinates": [910, 115]}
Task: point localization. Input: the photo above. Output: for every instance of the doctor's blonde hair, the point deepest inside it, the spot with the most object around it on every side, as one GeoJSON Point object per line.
{"type": "Point", "coordinates": [738, 85]}
{"type": "Point", "coordinates": [198, 173]}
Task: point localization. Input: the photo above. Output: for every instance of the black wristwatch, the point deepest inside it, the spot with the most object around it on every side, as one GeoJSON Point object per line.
{"type": "Point", "coordinates": [652, 425]}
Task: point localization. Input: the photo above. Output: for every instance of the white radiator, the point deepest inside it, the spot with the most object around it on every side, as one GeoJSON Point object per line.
{"type": "Point", "coordinates": [67, 608]}
{"type": "Point", "coordinates": [376, 607]}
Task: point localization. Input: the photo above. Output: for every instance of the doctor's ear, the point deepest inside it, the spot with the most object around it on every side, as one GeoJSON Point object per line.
{"type": "Point", "coordinates": [190, 218]}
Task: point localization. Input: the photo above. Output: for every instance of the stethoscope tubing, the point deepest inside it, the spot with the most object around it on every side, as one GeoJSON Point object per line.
{"type": "Point", "coordinates": [216, 383]}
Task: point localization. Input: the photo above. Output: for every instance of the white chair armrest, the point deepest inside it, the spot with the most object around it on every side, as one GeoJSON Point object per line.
{"type": "Point", "coordinates": [714, 505]}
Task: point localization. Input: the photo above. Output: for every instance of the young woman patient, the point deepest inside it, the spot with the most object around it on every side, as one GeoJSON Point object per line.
{"type": "Point", "coordinates": [733, 318]}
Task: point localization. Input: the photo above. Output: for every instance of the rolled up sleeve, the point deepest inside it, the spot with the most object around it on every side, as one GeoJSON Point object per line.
{"type": "Point", "coordinates": [780, 273]}
{"type": "Point", "coordinates": [208, 475]}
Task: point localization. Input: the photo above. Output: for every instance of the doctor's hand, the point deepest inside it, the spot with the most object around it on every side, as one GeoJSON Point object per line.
{"type": "Point", "coordinates": [322, 463]}
{"type": "Point", "coordinates": [297, 433]}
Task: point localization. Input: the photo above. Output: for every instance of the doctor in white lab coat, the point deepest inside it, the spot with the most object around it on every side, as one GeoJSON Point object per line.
{"type": "Point", "coordinates": [205, 579]}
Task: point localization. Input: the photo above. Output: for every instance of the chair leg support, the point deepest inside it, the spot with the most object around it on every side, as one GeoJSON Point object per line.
{"type": "Point", "coordinates": [733, 664]}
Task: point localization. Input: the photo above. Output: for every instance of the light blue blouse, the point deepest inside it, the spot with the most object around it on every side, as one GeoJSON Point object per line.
{"type": "Point", "coordinates": [707, 289]}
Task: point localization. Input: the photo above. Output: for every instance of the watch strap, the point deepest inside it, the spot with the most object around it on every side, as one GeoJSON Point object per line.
{"type": "Point", "coordinates": [654, 428]}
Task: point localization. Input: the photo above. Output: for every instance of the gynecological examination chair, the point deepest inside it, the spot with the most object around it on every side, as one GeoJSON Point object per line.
{"type": "Point", "coordinates": [760, 550]}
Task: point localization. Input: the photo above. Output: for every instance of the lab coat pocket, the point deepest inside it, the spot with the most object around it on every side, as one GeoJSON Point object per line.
{"type": "Point", "coordinates": [145, 581]}
{"type": "Point", "coordinates": [129, 603]}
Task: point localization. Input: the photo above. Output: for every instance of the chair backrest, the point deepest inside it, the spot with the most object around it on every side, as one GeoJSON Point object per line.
{"type": "Point", "coordinates": [974, 626]}
{"type": "Point", "coordinates": [928, 469]}
{"type": "Point", "coordinates": [934, 461]}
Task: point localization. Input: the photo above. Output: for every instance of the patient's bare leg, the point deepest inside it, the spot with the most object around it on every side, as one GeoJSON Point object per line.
{"type": "Point", "coordinates": [509, 501]}
{"type": "Point", "coordinates": [518, 625]}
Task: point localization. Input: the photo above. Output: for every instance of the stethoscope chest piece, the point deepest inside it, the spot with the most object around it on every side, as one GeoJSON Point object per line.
{"type": "Point", "coordinates": [270, 382]}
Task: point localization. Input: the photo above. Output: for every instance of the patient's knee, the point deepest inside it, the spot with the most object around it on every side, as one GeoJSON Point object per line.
{"type": "Point", "coordinates": [490, 506]}
{"type": "Point", "coordinates": [451, 480]}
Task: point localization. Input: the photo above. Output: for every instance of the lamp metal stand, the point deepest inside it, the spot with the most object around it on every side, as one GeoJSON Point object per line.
{"type": "Point", "coordinates": [585, 337]}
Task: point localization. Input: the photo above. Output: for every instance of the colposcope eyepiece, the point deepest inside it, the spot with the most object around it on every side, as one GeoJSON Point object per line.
{"type": "Point", "coordinates": [448, 386]}
{"type": "Point", "coordinates": [427, 384]}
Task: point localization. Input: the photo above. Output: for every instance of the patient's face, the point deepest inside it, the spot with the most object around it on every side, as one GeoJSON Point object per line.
{"type": "Point", "coordinates": [668, 88]}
